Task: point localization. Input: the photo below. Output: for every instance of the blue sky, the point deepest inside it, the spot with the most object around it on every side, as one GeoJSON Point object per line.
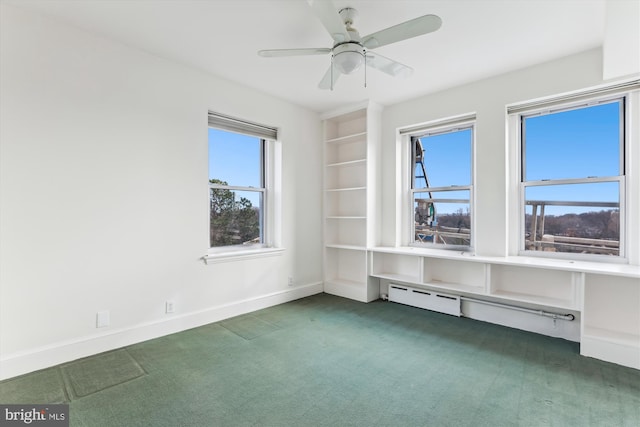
{"type": "Point", "coordinates": [574, 144]}
{"type": "Point", "coordinates": [238, 158]}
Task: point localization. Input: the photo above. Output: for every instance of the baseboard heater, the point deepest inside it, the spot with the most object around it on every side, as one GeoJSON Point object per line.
{"type": "Point", "coordinates": [430, 300]}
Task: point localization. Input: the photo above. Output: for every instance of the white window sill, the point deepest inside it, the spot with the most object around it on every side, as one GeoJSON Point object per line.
{"type": "Point", "coordinates": [241, 255]}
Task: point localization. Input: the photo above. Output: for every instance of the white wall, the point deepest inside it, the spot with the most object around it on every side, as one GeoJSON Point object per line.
{"type": "Point", "coordinates": [621, 47]}
{"type": "Point", "coordinates": [488, 99]}
{"type": "Point", "coordinates": [103, 196]}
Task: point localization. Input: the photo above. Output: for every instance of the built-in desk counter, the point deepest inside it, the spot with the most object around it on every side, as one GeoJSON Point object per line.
{"type": "Point", "coordinates": [606, 295]}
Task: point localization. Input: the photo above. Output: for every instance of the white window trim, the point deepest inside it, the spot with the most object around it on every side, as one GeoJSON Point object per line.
{"type": "Point", "coordinates": [629, 183]}
{"type": "Point", "coordinates": [272, 211]}
{"type": "Point", "coordinates": [452, 123]}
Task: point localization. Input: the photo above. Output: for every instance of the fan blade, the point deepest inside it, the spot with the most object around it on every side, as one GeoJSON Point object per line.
{"type": "Point", "coordinates": [326, 82]}
{"type": "Point", "coordinates": [293, 52]}
{"type": "Point", "coordinates": [387, 65]}
{"type": "Point", "coordinates": [328, 15]}
{"type": "Point", "coordinates": [406, 30]}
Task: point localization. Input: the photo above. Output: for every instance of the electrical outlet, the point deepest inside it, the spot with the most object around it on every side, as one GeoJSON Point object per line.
{"type": "Point", "coordinates": [170, 307]}
{"type": "Point", "coordinates": [290, 282]}
{"type": "Point", "coordinates": [102, 319]}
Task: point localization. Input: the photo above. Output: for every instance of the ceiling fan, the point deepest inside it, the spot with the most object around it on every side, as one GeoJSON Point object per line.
{"type": "Point", "coordinates": [350, 51]}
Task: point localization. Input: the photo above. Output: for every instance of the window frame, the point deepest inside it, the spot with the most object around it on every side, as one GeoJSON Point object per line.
{"type": "Point", "coordinates": [517, 120]}
{"type": "Point", "coordinates": [270, 177]}
{"type": "Point", "coordinates": [440, 127]}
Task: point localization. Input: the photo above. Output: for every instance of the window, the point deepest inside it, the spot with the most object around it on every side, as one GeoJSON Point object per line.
{"type": "Point", "coordinates": [442, 186]}
{"type": "Point", "coordinates": [238, 183]}
{"type": "Point", "coordinates": [572, 179]}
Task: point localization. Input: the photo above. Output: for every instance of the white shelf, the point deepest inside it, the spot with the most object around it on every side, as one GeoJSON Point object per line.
{"type": "Point", "coordinates": [347, 247]}
{"type": "Point", "coordinates": [346, 189]}
{"type": "Point", "coordinates": [347, 138]}
{"type": "Point", "coordinates": [346, 217]}
{"type": "Point", "coordinates": [356, 162]}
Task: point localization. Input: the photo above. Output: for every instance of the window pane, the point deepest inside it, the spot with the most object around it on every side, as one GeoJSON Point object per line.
{"type": "Point", "coordinates": [235, 159]}
{"type": "Point", "coordinates": [573, 144]}
{"type": "Point", "coordinates": [443, 160]}
{"type": "Point", "coordinates": [442, 217]}
{"type": "Point", "coordinates": [575, 218]}
{"type": "Point", "coordinates": [235, 217]}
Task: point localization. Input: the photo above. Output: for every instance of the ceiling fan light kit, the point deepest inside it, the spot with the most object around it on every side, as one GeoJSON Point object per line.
{"type": "Point", "coordinates": [348, 57]}
{"type": "Point", "coordinates": [349, 51]}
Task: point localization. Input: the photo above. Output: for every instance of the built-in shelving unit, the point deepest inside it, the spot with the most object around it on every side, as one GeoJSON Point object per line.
{"type": "Point", "coordinates": [607, 296]}
{"type": "Point", "coordinates": [350, 159]}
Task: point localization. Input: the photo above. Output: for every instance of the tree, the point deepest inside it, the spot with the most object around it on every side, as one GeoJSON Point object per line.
{"type": "Point", "coordinates": [232, 222]}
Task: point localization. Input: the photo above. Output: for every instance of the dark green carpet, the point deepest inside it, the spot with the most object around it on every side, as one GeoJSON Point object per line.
{"type": "Point", "coordinates": [327, 361]}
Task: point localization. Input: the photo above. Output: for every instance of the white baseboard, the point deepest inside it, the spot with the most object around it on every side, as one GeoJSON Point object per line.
{"type": "Point", "coordinates": [625, 354]}
{"type": "Point", "coordinates": [21, 363]}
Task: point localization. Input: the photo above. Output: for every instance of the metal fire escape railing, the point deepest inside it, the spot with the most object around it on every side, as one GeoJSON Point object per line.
{"type": "Point", "coordinates": [538, 240]}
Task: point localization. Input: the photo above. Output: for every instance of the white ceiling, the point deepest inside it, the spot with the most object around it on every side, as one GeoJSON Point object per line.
{"type": "Point", "coordinates": [478, 38]}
